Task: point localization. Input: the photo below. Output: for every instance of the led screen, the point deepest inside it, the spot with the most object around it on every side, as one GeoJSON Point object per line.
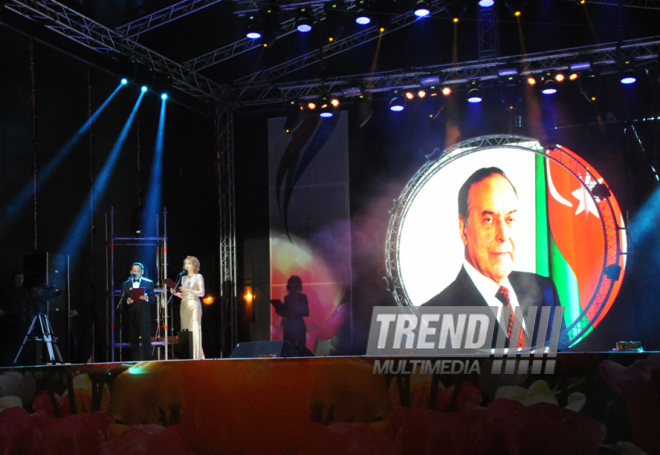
{"type": "Point", "coordinates": [562, 230]}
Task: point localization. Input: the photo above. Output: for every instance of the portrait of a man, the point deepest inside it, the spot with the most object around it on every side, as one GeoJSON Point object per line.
{"type": "Point", "coordinates": [487, 220]}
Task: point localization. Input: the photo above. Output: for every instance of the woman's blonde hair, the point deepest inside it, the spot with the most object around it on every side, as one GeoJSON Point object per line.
{"type": "Point", "coordinates": [195, 263]}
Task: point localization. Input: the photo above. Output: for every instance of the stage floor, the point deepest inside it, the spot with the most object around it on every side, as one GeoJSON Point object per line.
{"type": "Point", "coordinates": [591, 403]}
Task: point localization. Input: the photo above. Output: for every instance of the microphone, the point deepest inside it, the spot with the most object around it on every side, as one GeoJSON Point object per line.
{"type": "Point", "coordinates": [183, 272]}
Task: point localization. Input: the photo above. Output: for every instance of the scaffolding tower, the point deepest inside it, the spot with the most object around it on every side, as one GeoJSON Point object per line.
{"type": "Point", "coordinates": [113, 295]}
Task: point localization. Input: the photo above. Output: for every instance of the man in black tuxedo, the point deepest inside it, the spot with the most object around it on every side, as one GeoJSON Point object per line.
{"type": "Point", "coordinates": [487, 212]}
{"type": "Point", "coordinates": [139, 312]}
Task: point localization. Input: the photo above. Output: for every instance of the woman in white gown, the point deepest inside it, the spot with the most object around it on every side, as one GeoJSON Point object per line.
{"type": "Point", "coordinates": [190, 293]}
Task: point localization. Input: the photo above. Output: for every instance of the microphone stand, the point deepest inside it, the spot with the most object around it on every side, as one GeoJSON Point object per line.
{"type": "Point", "coordinates": [167, 305]}
{"type": "Point", "coordinates": [121, 299]}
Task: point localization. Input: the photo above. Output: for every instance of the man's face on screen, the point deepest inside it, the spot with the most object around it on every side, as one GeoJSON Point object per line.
{"type": "Point", "coordinates": [488, 232]}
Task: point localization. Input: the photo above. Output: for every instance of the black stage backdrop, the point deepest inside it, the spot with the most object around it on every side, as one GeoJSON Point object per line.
{"type": "Point", "coordinates": [383, 155]}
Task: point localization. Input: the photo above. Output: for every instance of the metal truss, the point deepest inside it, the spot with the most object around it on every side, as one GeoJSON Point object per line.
{"type": "Point", "coordinates": [238, 47]}
{"type": "Point", "coordinates": [67, 22]}
{"type": "Point", "coordinates": [339, 46]}
{"type": "Point", "coordinates": [226, 193]}
{"type": "Point", "coordinates": [186, 7]}
{"type": "Point", "coordinates": [489, 37]}
{"type": "Point", "coordinates": [598, 55]}
{"type": "Point", "coordinates": [163, 16]}
{"type": "Point", "coordinates": [644, 4]}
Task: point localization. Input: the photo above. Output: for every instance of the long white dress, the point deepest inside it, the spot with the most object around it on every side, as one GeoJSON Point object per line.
{"type": "Point", "coordinates": [191, 311]}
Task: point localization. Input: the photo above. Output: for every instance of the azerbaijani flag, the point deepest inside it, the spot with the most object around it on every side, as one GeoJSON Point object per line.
{"type": "Point", "coordinates": [571, 243]}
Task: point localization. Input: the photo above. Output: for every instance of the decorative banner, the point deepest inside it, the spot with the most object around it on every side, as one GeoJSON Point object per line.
{"type": "Point", "coordinates": [310, 223]}
{"type": "Point", "coordinates": [567, 228]}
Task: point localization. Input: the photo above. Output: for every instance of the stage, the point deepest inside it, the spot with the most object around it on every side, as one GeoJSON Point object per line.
{"type": "Point", "coordinates": [605, 402]}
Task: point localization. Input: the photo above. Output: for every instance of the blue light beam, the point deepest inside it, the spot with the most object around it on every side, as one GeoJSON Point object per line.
{"type": "Point", "coordinates": [152, 206]}
{"type": "Point", "coordinates": [77, 232]}
{"type": "Point", "coordinates": [26, 193]}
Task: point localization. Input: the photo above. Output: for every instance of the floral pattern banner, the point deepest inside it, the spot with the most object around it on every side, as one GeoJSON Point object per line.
{"type": "Point", "coordinates": [593, 404]}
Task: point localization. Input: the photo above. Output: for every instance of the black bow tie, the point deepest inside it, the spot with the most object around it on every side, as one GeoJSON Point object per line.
{"type": "Point", "coordinates": [135, 280]}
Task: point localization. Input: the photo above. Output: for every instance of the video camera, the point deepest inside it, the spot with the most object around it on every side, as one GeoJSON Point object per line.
{"type": "Point", "coordinates": [39, 295]}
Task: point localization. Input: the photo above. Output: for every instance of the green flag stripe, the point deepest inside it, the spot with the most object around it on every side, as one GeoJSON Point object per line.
{"type": "Point", "coordinates": [542, 259]}
{"type": "Point", "coordinates": [567, 287]}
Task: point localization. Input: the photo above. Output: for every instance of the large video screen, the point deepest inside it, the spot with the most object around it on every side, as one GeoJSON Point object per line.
{"type": "Point", "coordinates": [560, 221]}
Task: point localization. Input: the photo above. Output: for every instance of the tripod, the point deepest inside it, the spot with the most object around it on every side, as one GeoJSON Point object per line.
{"type": "Point", "coordinates": [47, 335]}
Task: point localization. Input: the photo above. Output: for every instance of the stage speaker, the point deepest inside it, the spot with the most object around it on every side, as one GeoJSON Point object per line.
{"type": "Point", "coordinates": [252, 349]}
{"type": "Point", "coordinates": [185, 345]}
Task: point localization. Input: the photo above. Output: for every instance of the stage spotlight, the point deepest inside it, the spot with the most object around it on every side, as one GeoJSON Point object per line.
{"type": "Point", "coordinates": [434, 104]}
{"type": "Point", "coordinates": [209, 299]}
{"type": "Point", "coordinates": [334, 102]}
{"type": "Point", "coordinates": [590, 85]}
{"type": "Point", "coordinates": [559, 77]}
{"type": "Point", "coordinates": [515, 6]}
{"type": "Point", "coordinates": [548, 145]}
{"type": "Point", "coordinates": [428, 81]}
{"type": "Point", "coordinates": [311, 105]}
{"type": "Point", "coordinates": [573, 76]}
{"type": "Point", "coordinates": [335, 19]}
{"type": "Point", "coordinates": [446, 91]}
{"type": "Point", "coordinates": [628, 75]}
{"type": "Point", "coordinates": [549, 87]}
{"type": "Point", "coordinates": [363, 16]}
{"type": "Point", "coordinates": [510, 93]}
{"type": "Point", "coordinates": [531, 80]}
{"type": "Point", "coordinates": [580, 66]}
{"type": "Point", "coordinates": [456, 10]}
{"type": "Point", "coordinates": [144, 88]}
{"type": "Point", "coordinates": [271, 25]}
{"type": "Point", "coordinates": [507, 72]}
{"type": "Point", "coordinates": [548, 84]}
{"type": "Point", "coordinates": [422, 8]}
{"type": "Point", "coordinates": [398, 102]}
{"type": "Point", "coordinates": [124, 81]}
{"type": "Point", "coordinates": [304, 20]}
{"type": "Point", "coordinates": [163, 96]}
{"type": "Point", "coordinates": [474, 93]}
{"type": "Point", "coordinates": [601, 191]}
{"type": "Point", "coordinates": [474, 96]}
{"type": "Point", "coordinates": [613, 271]}
{"type": "Point", "coordinates": [294, 116]}
{"type": "Point", "coordinates": [326, 110]}
{"type": "Point", "coordinates": [486, 3]}
{"type": "Point", "coordinates": [421, 94]}
{"type": "Point", "coordinates": [410, 95]}
{"type": "Point", "coordinates": [253, 27]}
{"type": "Point", "coordinates": [350, 92]}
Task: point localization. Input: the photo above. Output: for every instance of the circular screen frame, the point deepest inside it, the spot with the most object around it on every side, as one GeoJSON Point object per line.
{"type": "Point", "coordinates": [611, 265]}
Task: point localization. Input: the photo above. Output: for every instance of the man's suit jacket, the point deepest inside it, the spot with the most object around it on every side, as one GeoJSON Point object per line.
{"type": "Point", "coordinates": [145, 283]}
{"type": "Point", "coordinates": [531, 290]}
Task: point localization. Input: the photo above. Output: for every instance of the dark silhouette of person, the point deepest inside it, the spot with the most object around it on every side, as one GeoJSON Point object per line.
{"type": "Point", "coordinates": [293, 310]}
{"type": "Point", "coordinates": [13, 317]}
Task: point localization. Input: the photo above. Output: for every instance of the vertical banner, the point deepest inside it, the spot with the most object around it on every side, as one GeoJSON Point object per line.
{"type": "Point", "coordinates": [310, 228]}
